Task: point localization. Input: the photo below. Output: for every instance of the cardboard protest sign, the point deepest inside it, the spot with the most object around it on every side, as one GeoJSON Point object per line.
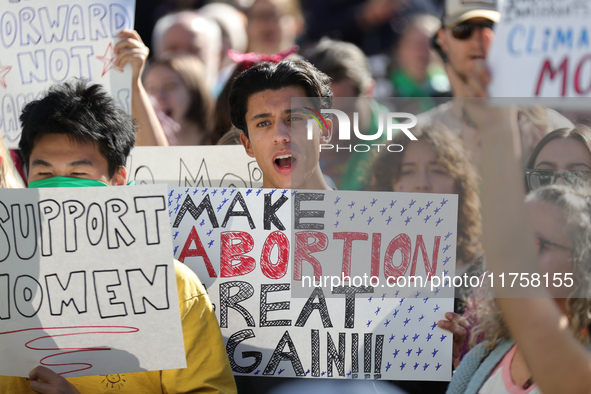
{"type": "Point", "coordinates": [194, 166]}
{"type": "Point", "coordinates": [47, 42]}
{"type": "Point", "coordinates": [542, 49]}
{"type": "Point", "coordinates": [87, 283]}
{"type": "Point", "coordinates": [261, 253]}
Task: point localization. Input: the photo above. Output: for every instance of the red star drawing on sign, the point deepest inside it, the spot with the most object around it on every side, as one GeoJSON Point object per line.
{"type": "Point", "coordinates": [3, 71]}
{"type": "Point", "coordinates": [109, 60]}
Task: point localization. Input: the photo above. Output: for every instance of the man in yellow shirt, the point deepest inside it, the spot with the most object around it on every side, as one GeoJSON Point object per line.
{"type": "Point", "coordinates": [77, 134]}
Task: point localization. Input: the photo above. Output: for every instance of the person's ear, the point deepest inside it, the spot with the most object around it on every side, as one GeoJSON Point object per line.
{"type": "Point", "coordinates": [441, 41]}
{"type": "Point", "coordinates": [246, 144]}
{"type": "Point", "coordinates": [1, 159]}
{"type": "Point", "coordinates": [120, 177]}
{"type": "Point", "coordinates": [326, 135]}
{"type": "Point", "coordinates": [370, 88]}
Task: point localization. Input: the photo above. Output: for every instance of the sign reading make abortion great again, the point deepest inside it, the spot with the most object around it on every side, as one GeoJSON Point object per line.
{"type": "Point", "coordinates": [48, 42]}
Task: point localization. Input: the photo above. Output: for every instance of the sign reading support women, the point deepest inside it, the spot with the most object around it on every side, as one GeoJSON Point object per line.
{"type": "Point", "coordinates": [47, 42]}
{"type": "Point", "coordinates": [542, 49]}
{"type": "Point", "coordinates": [323, 283]}
{"type": "Point", "coordinates": [87, 282]}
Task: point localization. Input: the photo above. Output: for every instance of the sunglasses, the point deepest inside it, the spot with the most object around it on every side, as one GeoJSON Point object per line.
{"type": "Point", "coordinates": [540, 178]}
{"type": "Point", "coordinates": [541, 244]}
{"type": "Point", "coordinates": [464, 30]}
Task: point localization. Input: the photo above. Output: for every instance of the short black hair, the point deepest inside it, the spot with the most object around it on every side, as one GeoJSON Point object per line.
{"type": "Point", "coordinates": [83, 112]}
{"type": "Point", "coordinates": [271, 76]}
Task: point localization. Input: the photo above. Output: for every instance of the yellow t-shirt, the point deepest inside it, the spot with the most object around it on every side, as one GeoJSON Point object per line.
{"type": "Point", "coordinates": [208, 369]}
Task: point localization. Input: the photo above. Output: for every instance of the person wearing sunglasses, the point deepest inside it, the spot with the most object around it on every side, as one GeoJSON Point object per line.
{"type": "Point", "coordinates": [562, 156]}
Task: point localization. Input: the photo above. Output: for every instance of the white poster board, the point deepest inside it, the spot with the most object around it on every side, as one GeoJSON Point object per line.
{"type": "Point", "coordinates": [194, 166]}
{"type": "Point", "coordinates": [253, 248]}
{"type": "Point", "coordinates": [48, 42]}
{"type": "Point", "coordinates": [87, 283]}
{"type": "Point", "coordinates": [542, 49]}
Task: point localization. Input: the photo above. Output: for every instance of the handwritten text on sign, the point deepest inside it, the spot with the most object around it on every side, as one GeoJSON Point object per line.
{"type": "Point", "coordinates": [87, 284]}
{"type": "Point", "coordinates": [43, 43]}
{"type": "Point", "coordinates": [254, 248]}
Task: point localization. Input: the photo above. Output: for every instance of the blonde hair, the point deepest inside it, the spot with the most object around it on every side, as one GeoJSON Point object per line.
{"type": "Point", "coordinates": [9, 178]}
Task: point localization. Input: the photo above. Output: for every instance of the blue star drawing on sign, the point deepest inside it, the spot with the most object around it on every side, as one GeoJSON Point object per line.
{"type": "Point", "coordinates": [195, 191]}
{"type": "Point", "coordinates": [224, 191]}
{"type": "Point", "coordinates": [388, 366]}
{"type": "Point", "coordinates": [323, 373]}
{"type": "Point", "coordinates": [369, 220]}
{"type": "Point", "coordinates": [259, 192]}
{"type": "Point", "coordinates": [363, 210]}
{"type": "Point", "coordinates": [407, 221]}
{"type": "Point", "coordinates": [402, 211]}
{"type": "Point", "coordinates": [436, 210]}
{"type": "Point", "coordinates": [187, 191]}
{"type": "Point", "coordinates": [395, 312]}
{"type": "Point", "coordinates": [294, 193]}
{"type": "Point", "coordinates": [392, 203]}
{"type": "Point", "coordinates": [443, 337]}
{"type": "Point", "coordinates": [391, 338]}
{"type": "Point", "coordinates": [422, 317]}
{"type": "Point", "coordinates": [425, 300]}
{"type": "Point", "coordinates": [202, 222]}
{"type": "Point", "coordinates": [336, 224]}
{"type": "Point", "coordinates": [408, 352]}
{"type": "Point", "coordinates": [248, 191]}
{"type": "Point", "coordinates": [178, 197]}
{"type": "Point", "coordinates": [396, 294]}
{"type": "Point", "coordinates": [369, 299]}
{"type": "Point", "coordinates": [389, 220]}
{"type": "Point", "coordinates": [419, 211]}
{"type": "Point", "coordinates": [429, 336]}
{"type": "Point", "coordinates": [257, 372]}
{"type": "Point", "coordinates": [443, 202]}
{"type": "Point", "coordinates": [383, 211]}
{"type": "Point", "coordinates": [351, 217]}
{"type": "Point", "coordinates": [219, 207]}
{"type": "Point", "coordinates": [204, 191]}
{"type": "Point", "coordinates": [383, 296]}
{"type": "Point", "coordinates": [373, 202]}
{"type": "Point", "coordinates": [169, 202]}
{"type": "Point", "coordinates": [428, 204]}
{"type": "Point", "coordinates": [436, 291]}
{"type": "Point", "coordinates": [368, 323]}
{"type": "Point", "coordinates": [402, 365]}
{"type": "Point", "coordinates": [351, 205]}
{"type": "Point", "coordinates": [404, 338]}
{"type": "Point", "coordinates": [415, 337]}
{"type": "Point", "coordinates": [418, 294]}
{"type": "Point", "coordinates": [412, 202]}
{"type": "Point", "coordinates": [401, 301]}
{"type": "Point", "coordinates": [169, 213]}
{"type": "Point", "coordinates": [425, 367]}
{"type": "Point", "coordinates": [406, 321]}
{"type": "Point", "coordinates": [281, 370]}
{"type": "Point", "coordinates": [396, 351]}
{"type": "Point", "coordinates": [224, 201]}
{"type": "Point", "coordinates": [410, 308]}
{"type": "Point", "coordinates": [446, 260]}
{"type": "Point", "coordinates": [438, 221]}
{"type": "Point", "coordinates": [307, 372]}
{"type": "Point", "coordinates": [416, 366]}
{"type": "Point", "coordinates": [176, 234]}
{"type": "Point", "coordinates": [349, 373]}
{"type": "Point", "coordinates": [447, 236]}
{"type": "Point", "coordinates": [435, 351]}
{"type": "Point", "coordinates": [419, 352]}
{"type": "Point", "coordinates": [445, 272]}
{"type": "Point", "coordinates": [176, 209]}
{"type": "Point", "coordinates": [171, 193]}
{"type": "Point", "coordinates": [433, 325]}
{"type": "Point", "coordinates": [336, 200]}
{"type": "Point", "coordinates": [214, 192]}
{"type": "Point", "coordinates": [437, 367]}
{"type": "Point", "coordinates": [233, 190]}
{"type": "Point", "coordinates": [283, 192]}
{"type": "Point", "coordinates": [175, 249]}
{"type": "Point", "coordinates": [446, 248]}
{"type": "Point", "coordinates": [210, 243]}
{"type": "Point", "coordinates": [386, 323]}
{"type": "Point", "coordinates": [426, 219]}
{"type": "Point", "coordinates": [378, 310]}
{"type": "Point", "coordinates": [338, 212]}
{"type": "Point", "coordinates": [436, 308]}
{"type": "Point", "coordinates": [209, 232]}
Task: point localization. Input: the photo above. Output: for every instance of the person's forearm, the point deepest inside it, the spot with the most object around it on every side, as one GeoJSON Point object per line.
{"type": "Point", "coordinates": [150, 132]}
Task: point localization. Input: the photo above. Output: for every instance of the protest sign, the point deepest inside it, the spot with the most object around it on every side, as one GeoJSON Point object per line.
{"type": "Point", "coordinates": [194, 166]}
{"type": "Point", "coordinates": [542, 49]}
{"type": "Point", "coordinates": [261, 253]}
{"type": "Point", "coordinates": [43, 43]}
{"type": "Point", "coordinates": [87, 283]}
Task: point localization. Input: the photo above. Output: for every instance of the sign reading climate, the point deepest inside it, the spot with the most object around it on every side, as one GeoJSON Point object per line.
{"type": "Point", "coordinates": [390, 122]}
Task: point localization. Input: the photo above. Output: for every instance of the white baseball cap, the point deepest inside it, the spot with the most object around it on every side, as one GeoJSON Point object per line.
{"type": "Point", "coordinates": [458, 11]}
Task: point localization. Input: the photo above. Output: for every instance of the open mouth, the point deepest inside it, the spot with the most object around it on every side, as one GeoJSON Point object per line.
{"type": "Point", "coordinates": [284, 161]}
